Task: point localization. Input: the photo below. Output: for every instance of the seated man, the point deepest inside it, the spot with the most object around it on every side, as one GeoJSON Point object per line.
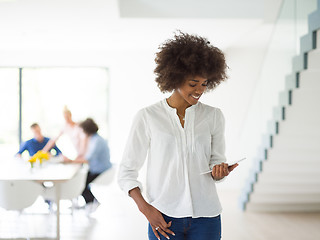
{"type": "Point", "coordinates": [37, 143]}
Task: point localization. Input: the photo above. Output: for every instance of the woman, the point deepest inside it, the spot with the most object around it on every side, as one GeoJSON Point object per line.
{"type": "Point", "coordinates": [73, 131]}
{"type": "Point", "coordinates": [97, 156]}
{"type": "Point", "coordinates": [182, 139]}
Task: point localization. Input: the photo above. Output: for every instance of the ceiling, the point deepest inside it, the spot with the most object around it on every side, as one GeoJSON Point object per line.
{"type": "Point", "coordinates": [126, 25]}
{"type": "Point", "coordinates": [226, 9]}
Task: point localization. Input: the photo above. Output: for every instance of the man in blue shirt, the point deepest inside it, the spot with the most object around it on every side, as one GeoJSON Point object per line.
{"type": "Point", "coordinates": [37, 143]}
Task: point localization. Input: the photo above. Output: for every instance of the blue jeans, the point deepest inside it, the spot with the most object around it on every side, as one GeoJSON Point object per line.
{"type": "Point", "coordinates": [188, 228]}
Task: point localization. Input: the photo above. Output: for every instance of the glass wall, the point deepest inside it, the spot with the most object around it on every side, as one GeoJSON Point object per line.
{"type": "Point", "coordinates": [45, 92]}
{"type": "Point", "coordinates": [9, 108]}
{"type": "Point", "coordinates": [284, 44]}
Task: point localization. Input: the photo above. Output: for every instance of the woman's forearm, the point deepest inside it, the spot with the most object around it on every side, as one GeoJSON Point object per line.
{"type": "Point", "coordinates": [80, 160]}
{"type": "Point", "coordinates": [50, 144]}
{"type": "Point", "coordinates": [136, 195]}
{"type": "Point", "coordinates": [77, 160]}
{"type": "Point", "coordinates": [153, 215]}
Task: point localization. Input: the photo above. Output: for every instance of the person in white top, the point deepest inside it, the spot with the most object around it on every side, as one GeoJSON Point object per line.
{"type": "Point", "coordinates": [181, 138]}
{"type": "Point", "coordinates": [74, 132]}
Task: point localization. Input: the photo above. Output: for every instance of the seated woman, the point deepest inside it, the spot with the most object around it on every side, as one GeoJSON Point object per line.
{"type": "Point", "coordinates": [97, 156]}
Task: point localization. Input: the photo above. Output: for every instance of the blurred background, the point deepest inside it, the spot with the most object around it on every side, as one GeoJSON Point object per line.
{"type": "Point", "coordinates": [97, 57]}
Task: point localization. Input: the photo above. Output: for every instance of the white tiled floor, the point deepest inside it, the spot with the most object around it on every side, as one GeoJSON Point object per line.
{"type": "Point", "coordinates": [118, 218]}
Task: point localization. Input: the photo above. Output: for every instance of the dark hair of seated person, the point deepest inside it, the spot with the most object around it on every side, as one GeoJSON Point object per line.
{"type": "Point", "coordinates": [89, 126]}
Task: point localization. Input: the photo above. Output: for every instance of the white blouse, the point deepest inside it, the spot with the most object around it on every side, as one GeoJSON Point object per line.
{"type": "Point", "coordinates": [176, 157]}
{"type": "Point", "coordinates": [75, 134]}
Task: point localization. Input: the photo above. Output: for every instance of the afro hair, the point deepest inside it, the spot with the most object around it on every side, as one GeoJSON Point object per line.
{"type": "Point", "coordinates": [186, 56]}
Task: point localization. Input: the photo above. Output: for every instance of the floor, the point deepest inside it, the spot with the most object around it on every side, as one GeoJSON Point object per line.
{"type": "Point", "coordinates": [118, 218]}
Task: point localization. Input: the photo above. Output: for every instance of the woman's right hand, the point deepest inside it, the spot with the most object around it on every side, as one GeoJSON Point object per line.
{"type": "Point", "coordinates": [66, 160]}
{"type": "Point", "coordinates": [153, 215]}
{"type": "Point", "coordinates": [157, 221]}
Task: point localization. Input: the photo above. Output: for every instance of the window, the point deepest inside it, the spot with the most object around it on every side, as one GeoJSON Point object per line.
{"type": "Point", "coordinates": [9, 106]}
{"type": "Point", "coordinates": [45, 92]}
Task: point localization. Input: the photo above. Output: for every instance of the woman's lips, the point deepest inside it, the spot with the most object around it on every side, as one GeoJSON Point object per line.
{"type": "Point", "coordinates": [195, 97]}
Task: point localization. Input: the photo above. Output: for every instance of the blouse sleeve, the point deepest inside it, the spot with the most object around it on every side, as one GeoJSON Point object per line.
{"type": "Point", "coordinates": [134, 154]}
{"type": "Point", "coordinates": [218, 140]}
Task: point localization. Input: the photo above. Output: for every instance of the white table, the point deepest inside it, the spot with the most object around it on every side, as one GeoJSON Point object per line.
{"type": "Point", "coordinates": [18, 169]}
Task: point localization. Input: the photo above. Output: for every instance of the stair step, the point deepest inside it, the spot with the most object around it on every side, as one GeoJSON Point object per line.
{"type": "Point", "coordinates": [296, 188]}
{"type": "Point", "coordinates": [298, 63]}
{"type": "Point", "coordinates": [279, 154]}
{"type": "Point", "coordinates": [296, 141]}
{"type": "Point", "coordinates": [303, 148]}
{"type": "Point", "coordinates": [284, 98]}
{"type": "Point", "coordinates": [318, 38]}
{"type": "Point", "coordinates": [314, 59]}
{"type": "Point", "coordinates": [306, 42]}
{"type": "Point", "coordinates": [310, 79]}
{"type": "Point", "coordinates": [288, 177]}
{"type": "Point", "coordinates": [291, 82]}
{"type": "Point", "coordinates": [314, 20]}
{"type": "Point", "coordinates": [271, 165]}
{"type": "Point", "coordinates": [295, 127]}
{"type": "Point", "coordinates": [284, 207]}
{"type": "Point", "coordinates": [306, 96]}
{"type": "Point", "coordinates": [285, 198]}
{"type": "Point", "coordinates": [304, 109]}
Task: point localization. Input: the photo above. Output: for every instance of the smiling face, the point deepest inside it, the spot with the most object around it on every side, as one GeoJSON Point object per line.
{"type": "Point", "coordinates": [192, 89]}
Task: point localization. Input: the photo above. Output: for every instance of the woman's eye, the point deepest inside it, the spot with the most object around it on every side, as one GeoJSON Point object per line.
{"type": "Point", "coordinates": [205, 84]}
{"type": "Point", "coordinates": [192, 85]}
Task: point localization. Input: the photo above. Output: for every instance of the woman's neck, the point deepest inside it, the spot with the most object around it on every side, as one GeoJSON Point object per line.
{"type": "Point", "coordinates": [71, 123]}
{"type": "Point", "coordinates": [178, 102]}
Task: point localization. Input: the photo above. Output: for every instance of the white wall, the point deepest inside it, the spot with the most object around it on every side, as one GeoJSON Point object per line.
{"type": "Point", "coordinates": [90, 33]}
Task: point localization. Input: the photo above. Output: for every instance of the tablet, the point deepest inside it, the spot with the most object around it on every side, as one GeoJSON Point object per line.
{"type": "Point", "coordinates": [230, 164]}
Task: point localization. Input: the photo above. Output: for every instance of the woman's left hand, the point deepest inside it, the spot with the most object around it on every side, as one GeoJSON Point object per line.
{"type": "Point", "coordinates": [222, 170]}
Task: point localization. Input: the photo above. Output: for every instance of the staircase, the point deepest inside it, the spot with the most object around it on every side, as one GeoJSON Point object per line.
{"type": "Point", "coordinates": [287, 179]}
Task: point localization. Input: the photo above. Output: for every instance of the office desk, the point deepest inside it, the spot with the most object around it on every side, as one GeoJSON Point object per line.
{"type": "Point", "coordinates": [57, 173]}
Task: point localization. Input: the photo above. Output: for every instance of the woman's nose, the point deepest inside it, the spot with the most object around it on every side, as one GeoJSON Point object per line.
{"type": "Point", "coordinates": [200, 90]}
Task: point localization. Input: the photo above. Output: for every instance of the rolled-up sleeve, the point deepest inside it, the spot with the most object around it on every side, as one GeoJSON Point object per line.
{"type": "Point", "coordinates": [134, 154]}
{"type": "Point", "coordinates": [218, 140]}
